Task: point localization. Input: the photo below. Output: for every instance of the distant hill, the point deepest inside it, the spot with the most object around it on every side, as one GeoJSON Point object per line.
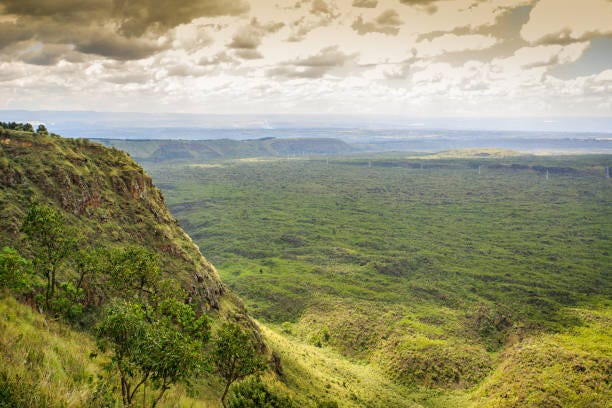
{"type": "Point", "coordinates": [474, 153]}
{"type": "Point", "coordinates": [205, 150]}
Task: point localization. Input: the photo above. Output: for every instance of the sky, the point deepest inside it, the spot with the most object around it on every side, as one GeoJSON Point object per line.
{"type": "Point", "coordinates": [417, 58]}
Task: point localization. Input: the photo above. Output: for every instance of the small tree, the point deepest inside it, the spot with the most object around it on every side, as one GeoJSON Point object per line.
{"type": "Point", "coordinates": [14, 270]}
{"type": "Point", "coordinates": [51, 243]}
{"type": "Point", "coordinates": [124, 330]}
{"type": "Point", "coordinates": [174, 352]}
{"type": "Point", "coordinates": [41, 129]}
{"type": "Point", "coordinates": [235, 356]}
{"type": "Point", "coordinates": [163, 345]}
{"type": "Point", "coordinates": [134, 271]}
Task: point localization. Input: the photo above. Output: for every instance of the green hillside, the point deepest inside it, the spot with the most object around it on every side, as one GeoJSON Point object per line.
{"type": "Point", "coordinates": [103, 297]}
{"type": "Point", "coordinates": [423, 271]}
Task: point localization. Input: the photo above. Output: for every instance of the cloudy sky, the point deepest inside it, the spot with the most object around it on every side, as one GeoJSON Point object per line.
{"type": "Point", "coordinates": [498, 58]}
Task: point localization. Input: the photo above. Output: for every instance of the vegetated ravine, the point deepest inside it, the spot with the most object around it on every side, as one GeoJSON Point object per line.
{"type": "Point", "coordinates": [480, 278]}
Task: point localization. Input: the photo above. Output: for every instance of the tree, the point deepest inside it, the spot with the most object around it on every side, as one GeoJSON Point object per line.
{"type": "Point", "coordinates": [174, 351]}
{"type": "Point", "coordinates": [124, 330]}
{"type": "Point", "coordinates": [14, 270]}
{"type": "Point", "coordinates": [235, 356]}
{"type": "Point", "coordinates": [42, 129]}
{"type": "Point", "coordinates": [51, 243]}
{"type": "Point", "coordinates": [134, 271]}
{"type": "Point", "coordinates": [163, 345]}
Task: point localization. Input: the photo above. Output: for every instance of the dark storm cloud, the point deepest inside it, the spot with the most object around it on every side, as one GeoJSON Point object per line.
{"type": "Point", "coordinates": [365, 3]}
{"type": "Point", "coordinates": [60, 10]}
{"type": "Point", "coordinates": [117, 47]}
{"type": "Point", "coordinates": [11, 33]}
{"type": "Point", "coordinates": [121, 29]}
{"type": "Point", "coordinates": [133, 17]}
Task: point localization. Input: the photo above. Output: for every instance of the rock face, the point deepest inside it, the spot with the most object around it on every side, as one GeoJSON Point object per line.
{"type": "Point", "coordinates": [107, 196]}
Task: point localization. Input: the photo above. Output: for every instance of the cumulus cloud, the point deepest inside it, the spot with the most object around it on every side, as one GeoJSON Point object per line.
{"type": "Point", "coordinates": [226, 55]}
{"type": "Point", "coordinates": [542, 56]}
{"type": "Point", "coordinates": [217, 59]}
{"type": "Point", "coordinates": [321, 7]}
{"type": "Point", "coordinates": [453, 43]}
{"type": "Point", "coordinates": [427, 5]}
{"type": "Point", "coordinates": [365, 3]}
{"type": "Point", "coordinates": [388, 22]}
{"type": "Point", "coordinates": [44, 54]}
{"type": "Point", "coordinates": [248, 54]}
{"type": "Point", "coordinates": [314, 66]}
{"type": "Point", "coordinates": [247, 39]}
{"type": "Point", "coordinates": [563, 21]}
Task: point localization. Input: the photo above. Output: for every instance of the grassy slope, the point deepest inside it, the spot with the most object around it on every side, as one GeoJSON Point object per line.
{"type": "Point", "coordinates": [42, 364]}
{"type": "Point", "coordinates": [572, 368]}
{"type": "Point", "coordinates": [106, 196]}
{"type": "Point", "coordinates": [406, 270]}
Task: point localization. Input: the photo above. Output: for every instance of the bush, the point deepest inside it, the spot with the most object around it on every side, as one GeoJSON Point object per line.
{"type": "Point", "coordinates": [254, 394]}
{"type": "Point", "coordinates": [14, 270]}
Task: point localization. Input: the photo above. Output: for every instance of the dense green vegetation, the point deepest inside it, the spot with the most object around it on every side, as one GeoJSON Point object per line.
{"type": "Point", "coordinates": [475, 278]}
{"type": "Point", "coordinates": [92, 252]}
{"type": "Point", "coordinates": [425, 268]}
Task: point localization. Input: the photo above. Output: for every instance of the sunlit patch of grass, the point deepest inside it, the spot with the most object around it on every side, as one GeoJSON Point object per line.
{"type": "Point", "coordinates": [44, 363]}
{"type": "Point", "coordinates": [314, 373]}
{"type": "Point", "coordinates": [572, 368]}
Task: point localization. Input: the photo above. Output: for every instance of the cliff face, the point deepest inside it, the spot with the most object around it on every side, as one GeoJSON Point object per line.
{"type": "Point", "coordinates": [107, 196]}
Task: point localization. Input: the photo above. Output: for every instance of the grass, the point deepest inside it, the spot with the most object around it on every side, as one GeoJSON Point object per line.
{"type": "Point", "coordinates": [419, 269]}
{"type": "Point", "coordinates": [572, 368]}
{"type": "Point", "coordinates": [46, 363]}
{"type": "Point", "coordinates": [43, 363]}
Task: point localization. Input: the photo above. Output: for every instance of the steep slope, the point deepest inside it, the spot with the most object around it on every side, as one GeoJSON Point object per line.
{"type": "Point", "coordinates": [108, 203]}
{"type": "Point", "coordinates": [107, 196]}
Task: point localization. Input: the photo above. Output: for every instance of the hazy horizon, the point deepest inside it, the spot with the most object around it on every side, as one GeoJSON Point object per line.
{"type": "Point", "coordinates": [67, 120]}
